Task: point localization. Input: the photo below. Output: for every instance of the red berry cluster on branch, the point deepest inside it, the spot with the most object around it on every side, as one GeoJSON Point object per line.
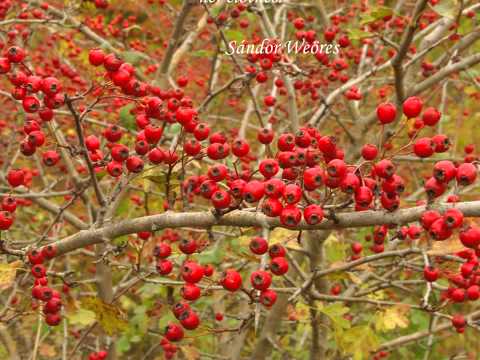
{"type": "Point", "coordinates": [50, 298]}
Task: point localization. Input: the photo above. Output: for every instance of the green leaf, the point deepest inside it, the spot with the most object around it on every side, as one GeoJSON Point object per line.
{"type": "Point", "coordinates": [465, 27]}
{"type": "Point", "coordinates": [120, 241]}
{"type": "Point", "coordinates": [123, 344]}
{"type": "Point", "coordinates": [8, 271]}
{"type": "Point", "coordinates": [127, 120]}
{"type": "Point", "coordinates": [213, 256]}
{"type": "Point", "coordinates": [335, 313]}
{"type": "Point", "coordinates": [108, 316]}
{"type": "Point", "coordinates": [376, 13]}
{"type": "Point", "coordinates": [202, 53]}
{"type": "Point", "coordinates": [359, 341]}
{"type": "Point", "coordinates": [234, 35]}
{"type": "Point", "coordinates": [165, 319]}
{"type": "Point", "coordinates": [133, 57]}
{"type": "Point", "coordinates": [447, 8]}
{"type": "Point", "coordinates": [356, 34]}
{"type": "Point", "coordinates": [159, 179]}
{"type": "Point", "coordinates": [174, 129]}
{"type": "Point", "coordinates": [335, 249]}
{"type": "Point", "coordinates": [214, 11]}
{"type": "Point", "coordinates": [82, 317]}
{"type": "Point", "coordinates": [391, 318]}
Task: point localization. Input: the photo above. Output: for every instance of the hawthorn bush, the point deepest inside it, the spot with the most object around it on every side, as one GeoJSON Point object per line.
{"type": "Point", "coordinates": [165, 195]}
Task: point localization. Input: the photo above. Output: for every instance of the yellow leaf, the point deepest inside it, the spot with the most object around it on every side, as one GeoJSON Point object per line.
{"type": "Point", "coordinates": [47, 350]}
{"type": "Point", "coordinates": [355, 279]}
{"type": "Point", "coordinates": [190, 352]}
{"type": "Point", "coordinates": [392, 318]}
{"type": "Point", "coordinates": [335, 250]}
{"type": "Point", "coordinates": [449, 246]}
{"type": "Point", "coordinates": [8, 272]}
{"type": "Point", "coordinates": [282, 235]}
{"type": "Point", "coordinates": [377, 295]}
{"type": "Point", "coordinates": [82, 317]}
{"type": "Point", "coordinates": [360, 341]}
{"type": "Point", "coordinates": [109, 316]}
{"type": "Point", "coordinates": [244, 240]}
{"type": "Point", "coordinates": [470, 90]}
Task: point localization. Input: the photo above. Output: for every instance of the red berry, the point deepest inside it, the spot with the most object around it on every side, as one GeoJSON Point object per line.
{"type": "Point", "coordinates": [134, 164]}
{"type": "Point", "coordinates": [6, 220]}
{"type": "Point", "coordinates": [231, 280]}
{"type": "Point", "coordinates": [466, 174]}
{"type": "Point", "coordinates": [356, 247]}
{"type": "Point", "coordinates": [428, 218]}
{"type": "Point", "coordinates": [277, 250]}
{"type": "Point", "coordinates": [192, 272]}
{"type": "Point", "coordinates": [442, 143]}
{"type": "Point", "coordinates": [268, 168]}
{"type": "Point", "coordinates": [313, 214]}
{"type": "Point", "coordinates": [9, 204]}
{"type": "Point", "coordinates": [190, 292]}
{"type": "Point", "coordinates": [258, 245]}
{"type": "Point", "coordinates": [431, 116]}
{"type": "Point", "coordinates": [15, 177]}
{"type": "Point", "coordinates": [49, 251]}
{"type": "Point", "coordinates": [439, 230]}
{"type": "Point", "coordinates": [369, 151]}
{"type": "Point", "coordinates": [253, 191]}
{"type": "Point", "coordinates": [431, 274]}
{"type": "Point", "coordinates": [53, 319]}
{"type": "Point", "coordinates": [458, 321]}
{"type": "Point", "coordinates": [261, 279]}
{"type": "Point", "coordinates": [386, 113]}
{"type": "Point", "coordinates": [221, 199]}
{"type": "Point", "coordinates": [265, 136]}
{"type": "Point", "coordinates": [424, 147]}
{"type": "Point", "coordinates": [470, 237]}
{"type": "Point", "coordinates": [279, 265]}
{"type": "Point", "coordinates": [473, 292]}
{"type": "Point", "coordinates": [189, 319]}
{"type": "Point", "coordinates": [96, 57]}
{"type": "Point", "coordinates": [290, 216]}
{"type": "Point", "coordinates": [179, 308]}
{"type": "Point", "coordinates": [268, 297]}
{"type": "Point", "coordinates": [453, 218]}
{"type": "Point", "coordinates": [187, 246]}
{"type": "Point", "coordinates": [412, 107]}
{"type": "Point", "coordinates": [444, 171]}
{"type": "Point", "coordinates": [384, 168]}
{"type": "Point", "coordinates": [164, 266]}
{"type": "Point", "coordinates": [173, 332]}
{"type": "Point", "coordinates": [15, 54]}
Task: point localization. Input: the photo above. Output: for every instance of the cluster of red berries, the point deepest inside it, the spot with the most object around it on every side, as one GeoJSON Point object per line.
{"type": "Point", "coordinates": [178, 108]}
{"type": "Point", "coordinates": [51, 298]}
{"type": "Point", "coordinates": [192, 273]}
{"type": "Point", "coordinates": [28, 86]}
{"type": "Point", "coordinates": [9, 203]}
{"type": "Point", "coordinates": [4, 7]}
{"type": "Point", "coordinates": [27, 89]}
{"type": "Point", "coordinates": [15, 177]}
{"type": "Point", "coordinates": [99, 355]}
{"type": "Point", "coordinates": [262, 279]}
{"type": "Point", "coordinates": [459, 322]}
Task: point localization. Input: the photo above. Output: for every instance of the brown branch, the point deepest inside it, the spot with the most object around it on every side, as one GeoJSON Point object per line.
{"type": "Point", "coordinates": [78, 126]}
{"type": "Point", "coordinates": [174, 39]}
{"type": "Point", "coordinates": [403, 340]}
{"type": "Point", "coordinates": [403, 49]}
{"type": "Point", "coordinates": [243, 218]}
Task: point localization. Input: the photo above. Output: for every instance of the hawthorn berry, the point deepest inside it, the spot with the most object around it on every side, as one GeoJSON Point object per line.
{"type": "Point", "coordinates": [231, 280]}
